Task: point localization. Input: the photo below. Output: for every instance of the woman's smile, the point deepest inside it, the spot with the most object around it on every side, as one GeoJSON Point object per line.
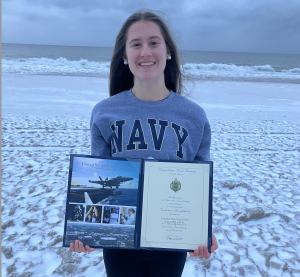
{"type": "Point", "coordinates": [146, 65]}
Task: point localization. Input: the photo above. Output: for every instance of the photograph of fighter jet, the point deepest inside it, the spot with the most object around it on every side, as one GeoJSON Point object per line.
{"type": "Point", "coordinates": [104, 181]}
{"type": "Point", "coordinates": [113, 182]}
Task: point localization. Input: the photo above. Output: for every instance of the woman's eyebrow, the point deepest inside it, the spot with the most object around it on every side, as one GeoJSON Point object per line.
{"type": "Point", "coordinates": [137, 39]}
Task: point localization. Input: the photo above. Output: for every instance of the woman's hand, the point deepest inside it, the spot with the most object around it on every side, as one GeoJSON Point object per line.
{"type": "Point", "coordinates": [202, 251]}
{"type": "Point", "coordinates": [79, 248]}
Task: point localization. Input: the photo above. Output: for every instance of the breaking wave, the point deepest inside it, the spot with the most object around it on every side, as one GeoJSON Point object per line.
{"type": "Point", "coordinates": [83, 67]}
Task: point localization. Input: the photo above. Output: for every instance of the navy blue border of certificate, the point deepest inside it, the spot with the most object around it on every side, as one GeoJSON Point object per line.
{"type": "Point", "coordinates": [140, 198]}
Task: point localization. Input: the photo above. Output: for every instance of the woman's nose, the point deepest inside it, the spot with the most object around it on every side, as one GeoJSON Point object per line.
{"type": "Point", "coordinates": [145, 51]}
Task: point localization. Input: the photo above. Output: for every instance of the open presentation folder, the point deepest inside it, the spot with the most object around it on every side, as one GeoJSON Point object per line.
{"type": "Point", "coordinates": [152, 204]}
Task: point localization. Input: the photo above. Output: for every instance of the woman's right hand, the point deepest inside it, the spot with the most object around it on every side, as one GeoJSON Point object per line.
{"type": "Point", "coordinates": [79, 248]}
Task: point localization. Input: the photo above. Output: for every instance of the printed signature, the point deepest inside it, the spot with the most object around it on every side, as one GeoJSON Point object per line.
{"type": "Point", "coordinates": [170, 237]}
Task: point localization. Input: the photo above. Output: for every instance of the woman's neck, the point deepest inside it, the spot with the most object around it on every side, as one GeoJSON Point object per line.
{"type": "Point", "coordinates": [151, 92]}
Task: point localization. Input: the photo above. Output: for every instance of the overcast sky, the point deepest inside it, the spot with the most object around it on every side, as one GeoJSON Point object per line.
{"type": "Point", "coordinates": [261, 26]}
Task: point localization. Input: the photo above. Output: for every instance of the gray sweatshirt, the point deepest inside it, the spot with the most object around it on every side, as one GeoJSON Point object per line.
{"type": "Point", "coordinates": [171, 129]}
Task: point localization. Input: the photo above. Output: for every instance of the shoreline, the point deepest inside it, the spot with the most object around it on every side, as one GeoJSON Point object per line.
{"type": "Point", "coordinates": [48, 95]}
{"type": "Point", "coordinates": [188, 79]}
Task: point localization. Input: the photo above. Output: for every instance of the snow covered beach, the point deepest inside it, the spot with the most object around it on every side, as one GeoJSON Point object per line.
{"type": "Point", "coordinates": [255, 149]}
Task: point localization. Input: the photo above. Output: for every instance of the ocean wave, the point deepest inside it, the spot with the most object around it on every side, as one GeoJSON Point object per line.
{"type": "Point", "coordinates": [60, 66]}
{"type": "Point", "coordinates": [294, 70]}
{"type": "Point", "coordinates": [83, 67]}
{"type": "Point", "coordinates": [233, 71]}
{"type": "Point", "coordinates": [263, 68]}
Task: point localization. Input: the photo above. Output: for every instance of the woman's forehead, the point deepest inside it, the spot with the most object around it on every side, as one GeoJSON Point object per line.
{"type": "Point", "coordinates": [143, 30]}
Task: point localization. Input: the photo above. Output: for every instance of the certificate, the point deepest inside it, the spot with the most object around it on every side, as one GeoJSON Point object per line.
{"type": "Point", "coordinates": [175, 209]}
{"type": "Point", "coordinates": [121, 203]}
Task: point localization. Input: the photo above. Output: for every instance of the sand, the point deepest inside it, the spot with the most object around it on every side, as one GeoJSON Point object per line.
{"type": "Point", "coordinates": [255, 149]}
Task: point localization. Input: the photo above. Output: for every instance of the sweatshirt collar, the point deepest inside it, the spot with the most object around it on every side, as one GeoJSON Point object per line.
{"type": "Point", "coordinates": [160, 103]}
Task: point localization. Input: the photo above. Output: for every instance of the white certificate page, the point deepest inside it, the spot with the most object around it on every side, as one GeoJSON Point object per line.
{"type": "Point", "coordinates": [175, 205]}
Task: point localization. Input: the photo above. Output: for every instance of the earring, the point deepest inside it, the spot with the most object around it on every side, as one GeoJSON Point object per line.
{"type": "Point", "coordinates": [169, 57]}
{"type": "Point", "coordinates": [125, 62]}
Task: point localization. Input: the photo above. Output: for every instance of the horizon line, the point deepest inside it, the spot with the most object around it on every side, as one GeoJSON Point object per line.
{"type": "Point", "coordinates": [178, 49]}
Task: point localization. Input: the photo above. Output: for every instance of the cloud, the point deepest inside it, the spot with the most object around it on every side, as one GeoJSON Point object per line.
{"type": "Point", "coordinates": [228, 25]}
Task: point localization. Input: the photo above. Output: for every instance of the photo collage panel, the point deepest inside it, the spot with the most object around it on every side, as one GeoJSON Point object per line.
{"type": "Point", "coordinates": [102, 213]}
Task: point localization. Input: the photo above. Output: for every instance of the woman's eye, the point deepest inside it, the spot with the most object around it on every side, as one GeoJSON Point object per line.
{"type": "Point", "coordinates": [140, 44]}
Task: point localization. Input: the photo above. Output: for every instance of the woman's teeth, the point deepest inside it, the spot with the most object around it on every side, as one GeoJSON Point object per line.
{"type": "Point", "coordinates": [146, 64]}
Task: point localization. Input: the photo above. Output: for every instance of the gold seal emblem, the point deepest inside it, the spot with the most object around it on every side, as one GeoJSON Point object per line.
{"type": "Point", "coordinates": [175, 185]}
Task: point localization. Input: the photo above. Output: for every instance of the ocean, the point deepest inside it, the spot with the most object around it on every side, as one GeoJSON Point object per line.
{"type": "Point", "coordinates": [127, 198]}
{"type": "Point", "coordinates": [197, 65]}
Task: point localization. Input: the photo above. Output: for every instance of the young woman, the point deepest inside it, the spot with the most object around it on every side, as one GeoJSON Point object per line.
{"type": "Point", "coordinates": [146, 117]}
{"type": "Point", "coordinates": [92, 215]}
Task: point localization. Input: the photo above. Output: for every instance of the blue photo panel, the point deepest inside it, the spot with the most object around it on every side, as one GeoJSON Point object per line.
{"type": "Point", "coordinates": [97, 181]}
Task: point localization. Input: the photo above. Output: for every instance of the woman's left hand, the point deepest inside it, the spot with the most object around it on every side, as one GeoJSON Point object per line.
{"type": "Point", "coordinates": [202, 251]}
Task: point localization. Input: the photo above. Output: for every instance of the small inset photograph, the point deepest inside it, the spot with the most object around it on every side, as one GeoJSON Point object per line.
{"type": "Point", "coordinates": [75, 213]}
{"type": "Point", "coordinates": [127, 215]}
{"type": "Point", "coordinates": [93, 214]}
{"type": "Point", "coordinates": [111, 215]}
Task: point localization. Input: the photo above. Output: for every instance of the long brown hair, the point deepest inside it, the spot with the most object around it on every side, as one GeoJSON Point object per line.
{"type": "Point", "coordinates": [121, 78]}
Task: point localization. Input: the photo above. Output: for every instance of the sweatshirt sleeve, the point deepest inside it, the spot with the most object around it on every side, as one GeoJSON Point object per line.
{"type": "Point", "coordinates": [99, 147]}
{"type": "Point", "coordinates": [203, 153]}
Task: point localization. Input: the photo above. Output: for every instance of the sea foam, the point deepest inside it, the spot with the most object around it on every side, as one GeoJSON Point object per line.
{"type": "Point", "coordinates": [83, 67]}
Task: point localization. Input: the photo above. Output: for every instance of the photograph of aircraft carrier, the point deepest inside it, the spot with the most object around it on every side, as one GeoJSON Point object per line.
{"type": "Point", "coordinates": [104, 181]}
{"type": "Point", "coordinates": [93, 195]}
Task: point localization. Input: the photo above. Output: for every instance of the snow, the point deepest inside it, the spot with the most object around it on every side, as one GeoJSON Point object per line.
{"type": "Point", "coordinates": [255, 149]}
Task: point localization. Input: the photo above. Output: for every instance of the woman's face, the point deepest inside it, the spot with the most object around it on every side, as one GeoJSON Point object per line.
{"type": "Point", "coordinates": [130, 213]}
{"type": "Point", "coordinates": [145, 43]}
